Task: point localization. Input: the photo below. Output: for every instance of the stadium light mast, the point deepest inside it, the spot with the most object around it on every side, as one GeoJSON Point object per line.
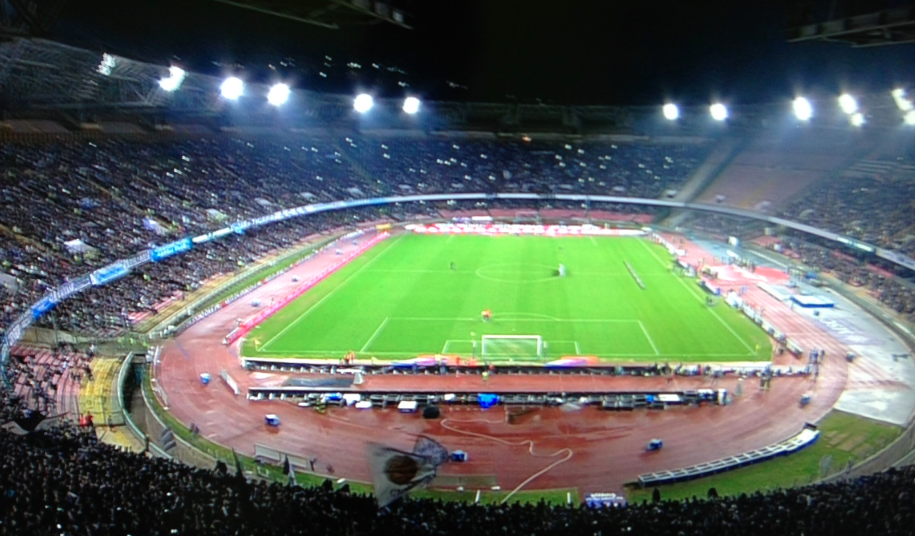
{"type": "Point", "coordinates": [411, 105]}
{"type": "Point", "coordinates": [671, 112]}
{"type": "Point", "coordinates": [718, 111]}
{"type": "Point", "coordinates": [848, 104]}
{"type": "Point", "coordinates": [363, 103]}
{"type": "Point", "coordinates": [172, 82]}
{"type": "Point", "coordinates": [803, 110]}
{"type": "Point", "coordinates": [232, 88]}
{"type": "Point", "coordinates": [902, 102]}
{"type": "Point", "coordinates": [278, 94]}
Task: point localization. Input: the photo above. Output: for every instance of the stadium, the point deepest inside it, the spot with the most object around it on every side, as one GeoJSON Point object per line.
{"type": "Point", "coordinates": [233, 304]}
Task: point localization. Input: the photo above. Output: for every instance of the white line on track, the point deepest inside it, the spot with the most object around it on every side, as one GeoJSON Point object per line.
{"type": "Point", "coordinates": [375, 335]}
{"type": "Point", "coordinates": [329, 294]}
{"type": "Point", "coordinates": [650, 340]}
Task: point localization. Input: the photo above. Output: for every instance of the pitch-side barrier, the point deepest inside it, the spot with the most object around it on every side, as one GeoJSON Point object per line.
{"type": "Point", "coordinates": [413, 400]}
{"type": "Point", "coordinates": [806, 437]}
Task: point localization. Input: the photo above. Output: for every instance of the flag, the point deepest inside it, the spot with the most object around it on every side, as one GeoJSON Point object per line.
{"type": "Point", "coordinates": [395, 472]}
{"type": "Point", "coordinates": [239, 472]}
{"type": "Point", "coordinates": [289, 471]}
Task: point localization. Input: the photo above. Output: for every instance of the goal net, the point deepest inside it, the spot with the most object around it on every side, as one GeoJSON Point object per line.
{"type": "Point", "coordinates": [514, 346]}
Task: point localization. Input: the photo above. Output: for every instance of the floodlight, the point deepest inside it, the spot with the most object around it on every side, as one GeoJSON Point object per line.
{"type": "Point", "coordinates": [671, 112]}
{"type": "Point", "coordinates": [176, 75]}
{"type": "Point", "coordinates": [411, 105]}
{"type": "Point", "coordinates": [902, 103]}
{"type": "Point", "coordinates": [802, 108]}
{"type": "Point", "coordinates": [857, 119]}
{"type": "Point", "coordinates": [909, 117]}
{"type": "Point", "coordinates": [363, 103]}
{"type": "Point", "coordinates": [232, 88]}
{"type": "Point", "coordinates": [278, 94]}
{"type": "Point", "coordinates": [719, 111]}
{"type": "Point", "coordinates": [848, 104]}
{"type": "Point", "coordinates": [107, 65]}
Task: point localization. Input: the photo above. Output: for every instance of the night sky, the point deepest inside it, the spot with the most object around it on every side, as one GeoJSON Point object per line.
{"type": "Point", "coordinates": [566, 51]}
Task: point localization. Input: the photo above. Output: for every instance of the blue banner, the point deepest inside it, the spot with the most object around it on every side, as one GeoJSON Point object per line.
{"type": "Point", "coordinates": [107, 274]}
{"type": "Point", "coordinates": [42, 306]}
{"type": "Point", "coordinates": [163, 252]}
{"type": "Point", "coordinates": [239, 228]}
{"type": "Point", "coordinates": [211, 236]}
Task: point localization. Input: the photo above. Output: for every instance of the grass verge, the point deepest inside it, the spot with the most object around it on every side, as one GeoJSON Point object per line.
{"type": "Point", "coordinates": [845, 439]}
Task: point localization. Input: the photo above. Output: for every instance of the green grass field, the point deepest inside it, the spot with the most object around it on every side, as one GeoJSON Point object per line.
{"type": "Point", "coordinates": [402, 299]}
{"type": "Point", "coordinates": [844, 439]}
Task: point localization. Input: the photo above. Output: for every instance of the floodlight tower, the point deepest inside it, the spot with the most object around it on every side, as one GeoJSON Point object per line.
{"type": "Point", "coordinates": [718, 111]}
{"type": "Point", "coordinates": [671, 112]}
{"type": "Point", "coordinates": [232, 88]}
{"type": "Point", "coordinates": [278, 94]}
{"type": "Point", "coordinates": [848, 104]}
{"type": "Point", "coordinates": [172, 82]}
{"type": "Point", "coordinates": [803, 110]}
{"type": "Point", "coordinates": [363, 103]}
{"type": "Point", "coordinates": [411, 105]}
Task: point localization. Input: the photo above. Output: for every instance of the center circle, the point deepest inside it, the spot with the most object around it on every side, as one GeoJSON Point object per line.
{"type": "Point", "coordinates": [516, 272]}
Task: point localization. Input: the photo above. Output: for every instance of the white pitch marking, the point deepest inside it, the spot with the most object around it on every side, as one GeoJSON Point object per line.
{"type": "Point", "coordinates": [650, 340]}
{"type": "Point", "coordinates": [375, 335]}
{"type": "Point", "coordinates": [325, 353]}
{"type": "Point", "coordinates": [501, 317]}
{"type": "Point", "coordinates": [721, 320]}
{"type": "Point", "coordinates": [329, 294]}
{"type": "Point", "coordinates": [577, 349]}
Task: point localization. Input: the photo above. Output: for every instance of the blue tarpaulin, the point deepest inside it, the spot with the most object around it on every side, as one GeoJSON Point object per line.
{"type": "Point", "coordinates": [487, 400]}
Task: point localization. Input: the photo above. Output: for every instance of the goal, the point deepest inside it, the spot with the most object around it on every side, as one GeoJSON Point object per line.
{"type": "Point", "coordinates": [514, 346]}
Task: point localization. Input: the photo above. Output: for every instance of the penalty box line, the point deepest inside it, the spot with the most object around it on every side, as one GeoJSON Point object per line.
{"type": "Point", "coordinates": [374, 336]}
{"type": "Point", "coordinates": [469, 341]}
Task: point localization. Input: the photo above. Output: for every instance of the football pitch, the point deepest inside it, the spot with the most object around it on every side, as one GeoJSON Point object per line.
{"type": "Point", "coordinates": [416, 295]}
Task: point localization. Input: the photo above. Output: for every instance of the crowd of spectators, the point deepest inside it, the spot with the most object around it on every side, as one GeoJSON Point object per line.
{"type": "Point", "coordinates": [894, 290]}
{"type": "Point", "coordinates": [73, 206]}
{"type": "Point", "coordinates": [60, 479]}
{"type": "Point", "coordinates": [872, 202]}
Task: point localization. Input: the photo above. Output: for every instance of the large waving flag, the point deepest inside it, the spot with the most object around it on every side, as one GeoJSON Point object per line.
{"type": "Point", "coordinates": [395, 472]}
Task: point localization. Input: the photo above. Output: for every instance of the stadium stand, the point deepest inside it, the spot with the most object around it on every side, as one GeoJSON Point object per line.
{"type": "Point", "coordinates": [871, 201]}
{"type": "Point", "coordinates": [60, 479]}
{"type": "Point", "coordinates": [76, 205]}
{"type": "Point", "coordinates": [768, 173]}
{"type": "Point", "coordinates": [73, 206]}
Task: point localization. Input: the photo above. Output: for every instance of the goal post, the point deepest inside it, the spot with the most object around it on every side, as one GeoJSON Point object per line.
{"type": "Point", "coordinates": [513, 346]}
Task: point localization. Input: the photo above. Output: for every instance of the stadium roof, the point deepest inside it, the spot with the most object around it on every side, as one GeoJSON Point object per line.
{"type": "Point", "coordinates": [861, 23]}
{"type": "Point", "coordinates": [332, 14]}
{"type": "Point", "coordinates": [575, 52]}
